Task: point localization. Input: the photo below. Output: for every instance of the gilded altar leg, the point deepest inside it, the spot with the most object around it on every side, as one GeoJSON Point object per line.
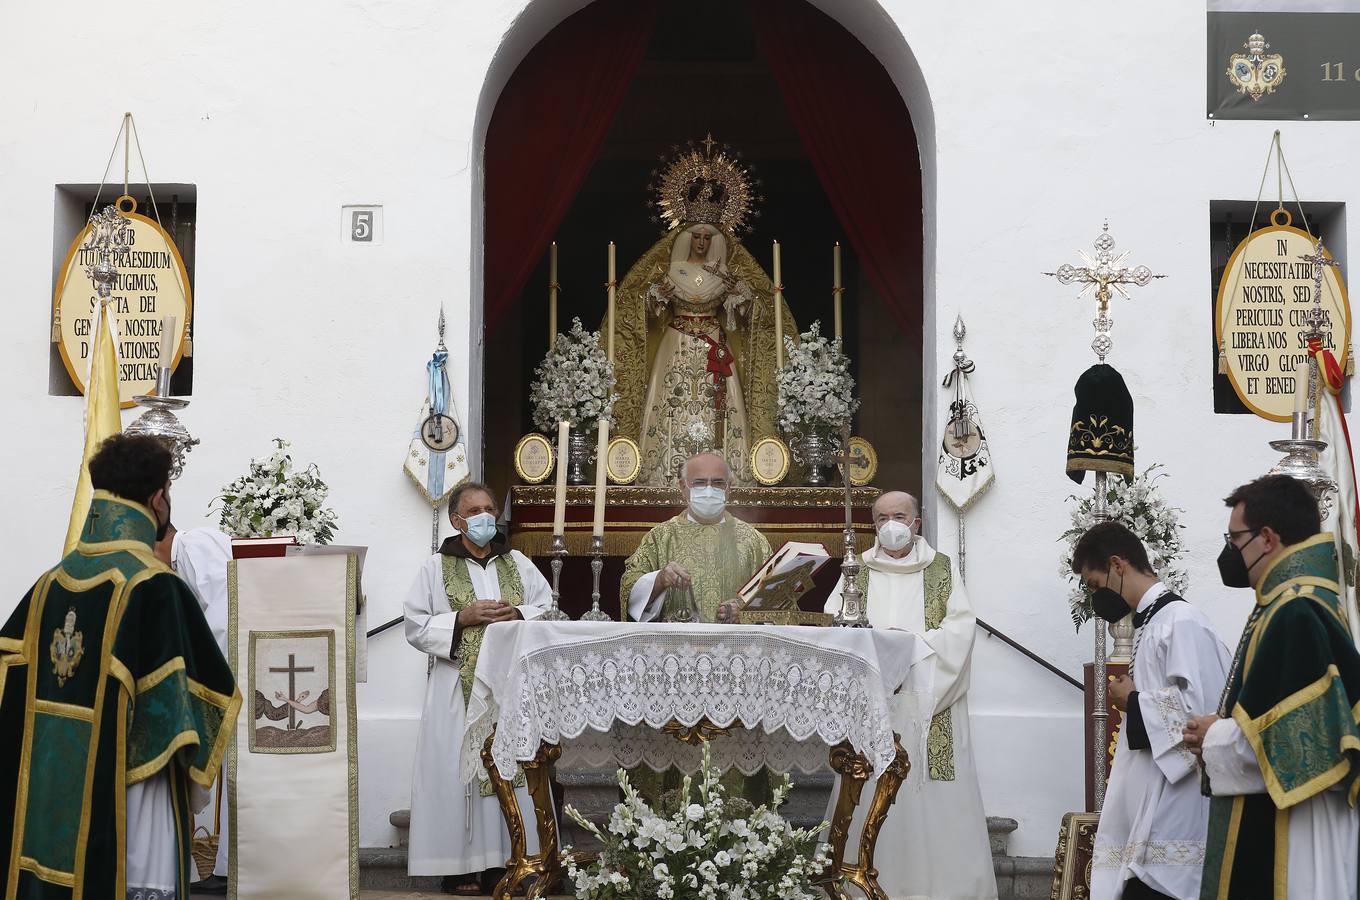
{"type": "Point", "coordinates": [885, 794]}
{"type": "Point", "coordinates": [545, 865]}
{"type": "Point", "coordinates": [854, 770]}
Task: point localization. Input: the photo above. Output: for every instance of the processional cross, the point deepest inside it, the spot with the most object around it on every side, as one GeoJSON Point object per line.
{"type": "Point", "coordinates": [292, 669]}
{"type": "Point", "coordinates": [1102, 273]}
{"type": "Point", "coordinates": [1317, 259]}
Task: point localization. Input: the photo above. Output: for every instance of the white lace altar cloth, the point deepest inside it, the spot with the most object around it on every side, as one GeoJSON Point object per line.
{"type": "Point", "coordinates": [602, 691]}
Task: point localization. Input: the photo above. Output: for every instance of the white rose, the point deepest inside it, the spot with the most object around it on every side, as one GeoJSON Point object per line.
{"type": "Point", "coordinates": [694, 812]}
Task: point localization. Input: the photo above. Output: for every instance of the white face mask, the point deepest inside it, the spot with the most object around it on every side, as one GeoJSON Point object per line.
{"type": "Point", "coordinates": [707, 502]}
{"type": "Point", "coordinates": [894, 535]}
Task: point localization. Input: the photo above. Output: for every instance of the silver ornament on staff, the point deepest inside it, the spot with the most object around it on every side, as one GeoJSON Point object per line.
{"type": "Point", "coordinates": [1303, 447]}
{"type": "Point", "coordinates": [852, 613]}
{"type": "Point", "coordinates": [1102, 274]}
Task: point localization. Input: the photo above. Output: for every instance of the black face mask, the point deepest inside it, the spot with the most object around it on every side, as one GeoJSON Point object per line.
{"type": "Point", "coordinates": [1108, 603]}
{"type": "Point", "coordinates": [1232, 565]}
{"type": "Point", "coordinates": [163, 528]}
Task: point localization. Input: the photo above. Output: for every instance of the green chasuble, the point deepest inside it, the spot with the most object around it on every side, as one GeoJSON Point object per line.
{"type": "Point", "coordinates": [109, 674]}
{"type": "Point", "coordinates": [719, 558]}
{"type": "Point", "coordinates": [1293, 690]}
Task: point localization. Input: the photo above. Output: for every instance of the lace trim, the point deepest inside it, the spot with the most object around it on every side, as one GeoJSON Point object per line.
{"type": "Point", "coordinates": [1150, 853]}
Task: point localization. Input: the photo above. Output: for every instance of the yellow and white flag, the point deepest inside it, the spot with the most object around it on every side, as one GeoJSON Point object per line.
{"type": "Point", "coordinates": [1338, 462]}
{"type": "Point", "coordinates": [103, 413]}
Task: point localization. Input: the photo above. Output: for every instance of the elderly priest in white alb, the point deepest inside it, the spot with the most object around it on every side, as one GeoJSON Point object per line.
{"type": "Point", "coordinates": [934, 843]}
{"type": "Point", "coordinates": [474, 581]}
{"type": "Point", "coordinates": [1151, 840]}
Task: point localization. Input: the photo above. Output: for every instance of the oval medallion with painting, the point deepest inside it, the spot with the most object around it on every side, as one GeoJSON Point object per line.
{"type": "Point", "coordinates": [151, 283]}
{"type": "Point", "coordinates": [1265, 310]}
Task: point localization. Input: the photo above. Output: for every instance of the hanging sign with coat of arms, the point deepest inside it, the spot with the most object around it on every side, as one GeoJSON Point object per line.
{"type": "Point", "coordinates": [1265, 301]}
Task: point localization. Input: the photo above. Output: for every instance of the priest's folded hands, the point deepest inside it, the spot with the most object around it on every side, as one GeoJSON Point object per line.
{"type": "Point", "coordinates": [485, 612]}
{"type": "Point", "coordinates": [727, 611]}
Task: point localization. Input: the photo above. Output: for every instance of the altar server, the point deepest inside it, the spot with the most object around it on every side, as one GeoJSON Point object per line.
{"type": "Point", "coordinates": [200, 557]}
{"type": "Point", "coordinates": [1282, 754]}
{"type": "Point", "coordinates": [705, 548]}
{"type": "Point", "coordinates": [1151, 839]}
{"type": "Point", "coordinates": [475, 580]}
{"type": "Point", "coordinates": [934, 843]}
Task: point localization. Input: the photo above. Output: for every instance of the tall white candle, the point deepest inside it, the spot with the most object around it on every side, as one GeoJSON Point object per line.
{"type": "Point", "coordinates": [836, 289]}
{"type": "Point", "coordinates": [612, 286]}
{"type": "Point", "coordinates": [778, 310]}
{"type": "Point", "coordinates": [601, 476]}
{"type": "Point", "coordinates": [560, 498]}
{"type": "Point", "coordinates": [168, 341]}
{"type": "Point", "coordinates": [552, 296]}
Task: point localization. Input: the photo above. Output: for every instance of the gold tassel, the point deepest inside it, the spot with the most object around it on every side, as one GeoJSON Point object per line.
{"type": "Point", "coordinates": [1222, 360]}
{"type": "Point", "coordinates": [56, 325]}
{"type": "Point", "coordinates": [1350, 360]}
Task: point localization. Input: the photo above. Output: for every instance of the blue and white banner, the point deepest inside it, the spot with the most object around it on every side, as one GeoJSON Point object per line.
{"type": "Point", "coordinates": [437, 457]}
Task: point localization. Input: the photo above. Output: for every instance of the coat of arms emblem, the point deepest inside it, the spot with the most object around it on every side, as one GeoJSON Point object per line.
{"type": "Point", "coordinates": [1255, 73]}
{"type": "Point", "coordinates": [68, 646]}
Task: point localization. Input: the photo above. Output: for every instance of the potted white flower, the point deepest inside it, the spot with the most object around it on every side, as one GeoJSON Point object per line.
{"type": "Point", "coordinates": [272, 501]}
{"type": "Point", "coordinates": [816, 398]}
{"type": "Point", "coordinates": [574, 383]}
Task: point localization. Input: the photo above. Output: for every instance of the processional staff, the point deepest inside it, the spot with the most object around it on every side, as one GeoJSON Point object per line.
{"type": "Point", "coordinates": [1101, 274]}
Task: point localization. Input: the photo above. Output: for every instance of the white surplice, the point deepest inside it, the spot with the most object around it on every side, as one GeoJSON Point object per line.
{"type": "Point", "coordinates": [200, 557]}
{"type": "Point", "coordinates": [455, 830]}
{"type": "Point", "coordinates": [1324, 830]}
{"type": "Point", "coordinates": [934, 844]}
{"type": "Point", "coordinates": [1155, 818]}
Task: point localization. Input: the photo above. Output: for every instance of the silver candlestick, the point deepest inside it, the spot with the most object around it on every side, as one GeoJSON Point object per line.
{"type": "Point", "coordinates": [160, 421]}
{"type": "Point", "coordinates": [596, 567]}
{"type": "Point", "coordinates": [558, 554]}
{"type": "Point", "coordinates": [852, 613]}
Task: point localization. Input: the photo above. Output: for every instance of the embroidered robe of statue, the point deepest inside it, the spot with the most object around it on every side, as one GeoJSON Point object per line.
{"type": "Point", "coordinates": [458, 829]}
{"type": "Point", "coordinates": [719, 558]}
{"type": "Point", "coordinates": [934, 843]}
{"type": "Point", "coordinates": [1153, 823]}
{"type": "Point", "coordinates": [1282, 764]}
{"type": "Point", "coordinates": [114, 700]}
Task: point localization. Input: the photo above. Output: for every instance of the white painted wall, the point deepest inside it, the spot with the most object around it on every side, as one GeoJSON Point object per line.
{"type": "Point", "coordinates": [1036, 121]}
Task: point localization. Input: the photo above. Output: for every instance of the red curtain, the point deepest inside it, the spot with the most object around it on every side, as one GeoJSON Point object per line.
{"type": "Point", "coordinates": [858, 135]}
{"type": "Point", "coordinates": [546, 131]}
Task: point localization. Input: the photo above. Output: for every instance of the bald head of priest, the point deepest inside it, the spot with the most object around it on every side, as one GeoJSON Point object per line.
{"type": "Point", "coordinates": [704, 548]}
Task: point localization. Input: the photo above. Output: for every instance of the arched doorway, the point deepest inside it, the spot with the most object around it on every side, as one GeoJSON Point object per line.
{"type": "Point", "coordinates": [895, 375]}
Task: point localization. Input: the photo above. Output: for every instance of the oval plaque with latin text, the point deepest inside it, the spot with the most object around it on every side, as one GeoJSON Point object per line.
{"type": "Point", "coordinates": [1264, 311]}
{"type": "Point", "coordinates": [151, 283]}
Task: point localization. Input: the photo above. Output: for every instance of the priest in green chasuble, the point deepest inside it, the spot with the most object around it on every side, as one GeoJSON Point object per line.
{"type": "Point", "coordinates": [704, 548]}
{"type": "Point", "coordinates": [116, 703]}
{"type": "Point", "coordinates": [934, 843]}
{"type": "Point", "coordinates": [1282, 756]}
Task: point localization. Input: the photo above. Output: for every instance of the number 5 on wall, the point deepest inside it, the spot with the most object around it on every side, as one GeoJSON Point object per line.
{"type": "Point", "coordinates": [361, 224]}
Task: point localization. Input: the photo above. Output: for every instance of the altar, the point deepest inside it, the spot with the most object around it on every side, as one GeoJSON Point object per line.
{"type": "Point", "coordinates": [781, 513]}
{"type": "Point", "coordinates": [592, 694]}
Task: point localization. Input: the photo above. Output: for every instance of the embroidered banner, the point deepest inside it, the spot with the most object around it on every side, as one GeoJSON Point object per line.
{"type": "Point", "coordinates": [293, 785]}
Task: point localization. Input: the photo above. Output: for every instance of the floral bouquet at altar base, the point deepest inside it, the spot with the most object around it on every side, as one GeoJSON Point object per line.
{"type": "Point", "coordinates": [1139, 507]}
{"type": "Point", "coordinates": [815, 385]}
{"type": "Point", "coordinates": [720, 848]}
{"type": "Point", "coordinates": [574, 383]}
{"type": "Point", "coordinates": [271, 500]}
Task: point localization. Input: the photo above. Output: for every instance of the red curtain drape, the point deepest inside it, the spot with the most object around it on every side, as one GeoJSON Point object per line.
{"type": "Point", "coordinates": [546, 131]}
{"type": "Point", "coordinates": [858, 135]}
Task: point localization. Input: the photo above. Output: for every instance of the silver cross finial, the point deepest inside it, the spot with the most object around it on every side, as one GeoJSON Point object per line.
{"type": "Point", "coordinates": [1319, 259]}
{"type": "Point", "coordinates": [1102, 273]}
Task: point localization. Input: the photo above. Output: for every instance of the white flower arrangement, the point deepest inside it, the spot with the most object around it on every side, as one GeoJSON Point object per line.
{"type": "Point", "coordinates": [271, 500]}
{"type": "Point", "coordinates": [1139, 507]}
{"type": "Point", "coordinates": [719, 848]}
{"type": "Point", "coordinates": [815, 385]}
{"type": "Point", "coordinates": [574, 383]}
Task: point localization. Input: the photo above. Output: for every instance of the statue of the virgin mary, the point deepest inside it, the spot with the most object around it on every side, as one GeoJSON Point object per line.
{"type": "Point", "coordinates": [694, 336]}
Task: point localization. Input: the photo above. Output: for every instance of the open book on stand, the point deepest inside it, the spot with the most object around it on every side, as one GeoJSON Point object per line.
{"type": "Point", "coordinates": [771, 595]}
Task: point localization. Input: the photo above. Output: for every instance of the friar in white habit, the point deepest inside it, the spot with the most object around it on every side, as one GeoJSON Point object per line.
{"type": "Point", "coordinates": [474, 581]}
{"type": "Point", "coordinates": [1151, 840]}
{"type": "Point", "coordinates": [934, 843]}
{"type": "Point", "coordinates": [200, 556]}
